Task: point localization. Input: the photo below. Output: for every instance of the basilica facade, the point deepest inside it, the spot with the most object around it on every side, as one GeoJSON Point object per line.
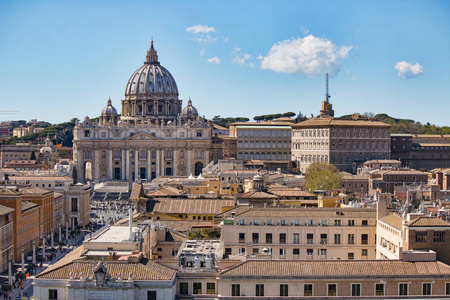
{"type": "Point", "coordinates": [153, 136]}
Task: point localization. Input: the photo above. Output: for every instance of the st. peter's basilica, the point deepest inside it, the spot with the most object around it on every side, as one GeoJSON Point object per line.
{"type": "Point", "coordinates": [153, 136]}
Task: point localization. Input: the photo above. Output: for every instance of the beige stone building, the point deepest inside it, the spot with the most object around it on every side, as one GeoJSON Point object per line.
{"type": "Point", "coordinates": [269, 142]}
{"type": "Point", "coordinates": [151, 137]}
{"type": "Point", "coordinates": [343, 143]}
{"type": "Point", "coordinates": [300, 233]}
{"type": "Point", "coordinates": [414, 232]}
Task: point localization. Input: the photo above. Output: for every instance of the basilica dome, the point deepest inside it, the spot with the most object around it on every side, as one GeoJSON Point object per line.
{"type": "Point", "coordinates": [151, 93]}
{"type": "Point", "coordinates": [151, 78]}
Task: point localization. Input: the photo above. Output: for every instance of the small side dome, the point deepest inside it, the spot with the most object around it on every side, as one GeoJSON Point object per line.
{"type": "Point", "coordinates": [48, 147]}
{"type": "Point", "coordinates": [189, 112]}
{"type": "Point", "coordinates": [109, 110]}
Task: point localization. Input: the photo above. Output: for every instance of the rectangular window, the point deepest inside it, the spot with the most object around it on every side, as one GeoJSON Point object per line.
{"type": "Point", "coordinates": [268, 238]}
{"type": "Point", "coordinates": [323, 238]}
{"type": "Point", "coordinates": [235, 290]}
{"type": "Point", "coordinates": [151, 295]}
{"type": "Point", "coordinates": [308, 290]}
{"type": "Point", "coordinates": [52, 294]}
{"type": "Point", "coordinates": [323, 252]}
{"type": "Point", "coordinates": [241, 237]}
{"type": "Point", "coordinates": [255, 237]}
{"type": "Point", "coordinates": [332, 290]}
{"type": "Point", "coordinates": [403, 289]}
{"type": "Point", "coordinates": [438, 236]}
{"type": "Point", "coordinates": [421, 236]}
{"type": "Point", "coordinates": [296, 251]}
{"type": "Point", "coordinates": [197, 288]}
{"type": "Point", "coordinates": [364, 239]}
{"type": "Point", "coordinates": [309, 252]}
{"type": "Point", "coordinates": [356, 289]}
{"type": "Point", "coordinates": [447, 288]}
{"type": "Point", "coordinates": [259, 290]}
{"type": "Point", "coordinates": [379, 289]}
{"type": "Point", "coordinates": [365, 223]}
{"type": "Point", "coordinates": [337, 222]}
{"type": "Point", "coordinates": [337, 238]}
{"type": "Point", "coordinates": [284, 290]}
{"type": "Point", "coordinates": [351, 222]}
{"type": "Point", "coordinates": [426, 288]}
{"type": "Point", "coordinates": [310, 238]}
{"type": "Point", "coordinates": [255, 250]}
{"type": "Point", "coordinates": [282, 238]}
{"type": "Point", "coordinates": [282, 252]}
{"type": "Point", "coordinates": [210, 288]}
{"type": "Point", "coordinates": [351, 239]}
{"type": "Point", "coordinates": [351, 255]}
{"type": "Point", "coordinates": [184, 288]}
{"type": "Point", "coordinates": [296, 238]}
{"type": "Point", "coordinates": [364, 252]}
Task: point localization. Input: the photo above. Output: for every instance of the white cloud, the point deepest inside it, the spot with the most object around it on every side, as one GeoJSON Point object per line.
{"type": "Point", "coordinates": [202, 52]}
{"type": "Point", "coordinates": [407, 70]}
{"type": "Point", "coordinates": [241, 58]}
{"type": "Point", "coordinates": [202, 34]}
{"type": "Point", "coordinates": [305, 56]}
{"type": "Point", "coordinates": [304, 30]}
{"type": "Point", "coordinates": [196, 29]}
{"type": "Point", "coordinates": [214, 60]}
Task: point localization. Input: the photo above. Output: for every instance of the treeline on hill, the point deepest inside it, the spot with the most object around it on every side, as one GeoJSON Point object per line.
{"type": "Point", "coordinates": [406, 125]}
{"type": "Point", "coordinates": [225, 122]}
{"type": "Point", "coordinates": [58, 133]}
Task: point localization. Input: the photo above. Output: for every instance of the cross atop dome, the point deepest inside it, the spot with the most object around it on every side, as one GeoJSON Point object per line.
{"type": "Point", "coordinates": [152, 56]}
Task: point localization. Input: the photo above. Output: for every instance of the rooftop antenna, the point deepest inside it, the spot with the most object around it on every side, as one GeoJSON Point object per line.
{"type": "Point", "coordinates": [327, 94]}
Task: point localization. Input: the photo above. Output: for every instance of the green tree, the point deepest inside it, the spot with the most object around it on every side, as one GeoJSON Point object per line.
{"type": "Point", "coordinates": [322, 176]}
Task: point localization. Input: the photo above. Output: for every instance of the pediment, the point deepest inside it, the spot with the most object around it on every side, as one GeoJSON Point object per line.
{"type": "Point", "coordinates": [142, 136]}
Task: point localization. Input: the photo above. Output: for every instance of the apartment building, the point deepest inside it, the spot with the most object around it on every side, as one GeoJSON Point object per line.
{"type": "Point", "coordinates": [385, 180]}
{"type": "Point", "coordinates": [26, 221]}
{"type": "Point", "coordinates": [6, 236]}
{"type": "Point", "coordinates": [300, 233]}
{"type": "Point", "coordinates": [417, 232]}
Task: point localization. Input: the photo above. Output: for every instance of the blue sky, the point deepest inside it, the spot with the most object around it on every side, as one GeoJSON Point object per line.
{"type": "Point", "coordinates": [63, 59]}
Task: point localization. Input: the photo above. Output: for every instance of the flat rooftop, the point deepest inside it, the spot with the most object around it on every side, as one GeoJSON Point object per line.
{"type": "Point", "coordinates": [114, 234]}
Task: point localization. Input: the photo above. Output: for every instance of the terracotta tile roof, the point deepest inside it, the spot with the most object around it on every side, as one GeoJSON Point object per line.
{"type": "Point", "coordinates": [139, 271]}
{"type": "Point", "coordinates": [189, 206]}
{"type": "Point", "coordinates": [257, 195]}
{"type": "Point", "coordinates": [137, 191]}
{"type": "Point", "coordinates": [35, 191]}
{"type": "Point", "coordinates": [382, 161]}
{"type": "Point", "coordinates": [331, 122]}
{"type": "Point", "coordinates": [237, 210]}
{"type": "Point", "coordinates": [427, 222]}
{"type": "Point", "coordinates": [333, 268]}
{"type": "Point", "coordinates": [8, 192]}
{"type": "Point", "coordinates": [290, 192]}
{"type": "Point", "coordinates": [164, 191]}
{"type": "Point", "coordinates": [394, 220]}
{"type": "Point", "coordinates": [182, 226]}
{"type": "Point", "coordinates": [401, 171]}
{"type": "Point", "coordinates": [26, 205]}
{"type": "Point", "coordinates": [297, 212]}
{"type": "Point", "coordinates": [5, 210]}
